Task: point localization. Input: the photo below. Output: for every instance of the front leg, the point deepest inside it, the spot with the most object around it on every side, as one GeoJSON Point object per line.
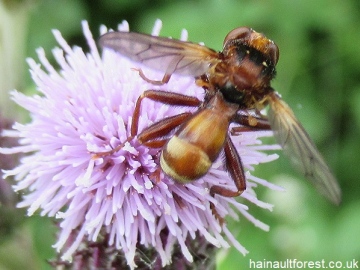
{"type": "Point", "coordinates": [161, 128]}
{"type": "Point", "coordinates": [164, 80]}
{"type": "Point", "coordinates": [235, 168]}
{"type": "Point", "coordinates": [164, 97]}
{"type": "Point", "coordinates": [152, 136]}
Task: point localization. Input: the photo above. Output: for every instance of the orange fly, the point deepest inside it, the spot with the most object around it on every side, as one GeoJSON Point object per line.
{"type": "Point", "coordinates": [237, 86]}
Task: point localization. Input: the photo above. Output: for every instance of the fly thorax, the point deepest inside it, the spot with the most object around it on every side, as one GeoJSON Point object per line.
{"type": "Point", "coordinates": [232, 94]}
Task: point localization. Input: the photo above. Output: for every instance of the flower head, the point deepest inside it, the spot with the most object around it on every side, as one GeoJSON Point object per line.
{"type": "Point", "coordinates": [86, 108]}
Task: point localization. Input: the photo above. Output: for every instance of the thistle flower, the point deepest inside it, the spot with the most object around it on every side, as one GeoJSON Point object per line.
{"type": "Point", "coordinates": [86, 108]}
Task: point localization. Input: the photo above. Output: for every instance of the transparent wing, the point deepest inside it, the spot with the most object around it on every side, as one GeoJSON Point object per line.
{"type": "Point", "coordinates": [302, 151]}
{"type": "Point", "coordinates": [163, 54]}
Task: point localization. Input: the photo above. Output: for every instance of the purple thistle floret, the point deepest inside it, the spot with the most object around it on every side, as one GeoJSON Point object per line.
{"type": "Point", "coordinates": [86, 108]}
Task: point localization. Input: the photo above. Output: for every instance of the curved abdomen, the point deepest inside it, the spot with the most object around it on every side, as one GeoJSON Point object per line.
{"type": "Point", "coordinates": [189, 154]}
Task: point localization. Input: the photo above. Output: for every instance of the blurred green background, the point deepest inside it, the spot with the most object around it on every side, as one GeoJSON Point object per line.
{"type": "Point", "coordinates": [318, 75]}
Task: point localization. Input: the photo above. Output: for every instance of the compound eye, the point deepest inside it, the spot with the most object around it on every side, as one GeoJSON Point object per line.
{"type": "Point", "coordinates": [238, 33]}
{"type": "Point", "coordinates": [273, 51]}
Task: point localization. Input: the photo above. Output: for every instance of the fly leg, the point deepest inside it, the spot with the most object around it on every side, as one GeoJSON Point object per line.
{"type": "Point", "coordinates": [163, 81]}
{"type": "Point", "coordinates": [235, 168]}
{"type": "Point", "coordinates": [160, 128]}
{"type": "Point", "coordinates": [249, 123]}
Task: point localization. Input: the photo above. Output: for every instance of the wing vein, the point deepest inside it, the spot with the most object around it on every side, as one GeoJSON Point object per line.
{"type": "Point", "coordinates": [301, 150]}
